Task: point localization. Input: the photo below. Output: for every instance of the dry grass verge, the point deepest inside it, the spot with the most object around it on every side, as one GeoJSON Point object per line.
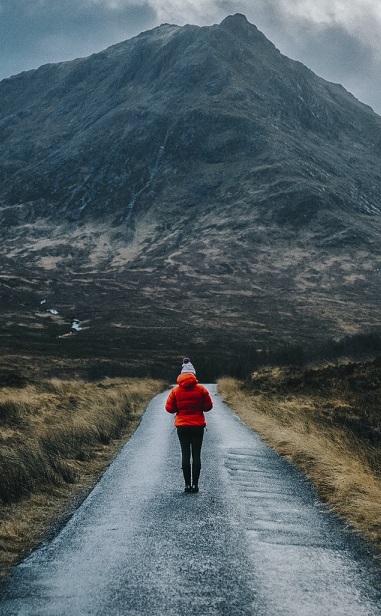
{"type": "Point", "coordinates": [328, 426]}
{"type": "Point", "coordinates": [56, 438]}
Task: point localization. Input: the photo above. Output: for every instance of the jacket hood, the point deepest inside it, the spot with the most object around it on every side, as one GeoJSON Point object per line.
{"type": "Point", "coordinates": [187, 380]}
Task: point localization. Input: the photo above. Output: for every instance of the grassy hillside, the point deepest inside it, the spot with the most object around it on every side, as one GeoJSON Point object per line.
{"type": "Point", "coordinates": [326, 420]}
{"type": "Point", "coordinates": [56, 438]}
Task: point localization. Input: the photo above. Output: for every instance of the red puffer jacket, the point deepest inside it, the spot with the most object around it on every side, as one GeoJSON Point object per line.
{"type": "Point", "coordinates": [189, 400]}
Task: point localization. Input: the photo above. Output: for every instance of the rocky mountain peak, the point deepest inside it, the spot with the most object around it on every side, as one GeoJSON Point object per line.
{"type": "Point", "coordinates": [235, 21]}
{"type": "Point", "coordinates": [93, 136]}
{"type": "Point", "coordinates": [239, 26]}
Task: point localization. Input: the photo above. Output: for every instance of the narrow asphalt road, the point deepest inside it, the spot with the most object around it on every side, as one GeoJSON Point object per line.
{"type": "Point", "coordinates": [254, 540]}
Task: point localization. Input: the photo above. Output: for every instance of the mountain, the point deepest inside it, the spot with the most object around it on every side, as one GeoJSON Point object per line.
{"type": "Point", "coordinates": [191, 190]}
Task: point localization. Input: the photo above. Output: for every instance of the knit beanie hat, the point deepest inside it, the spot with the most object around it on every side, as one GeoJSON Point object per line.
{"type": "Point", "coordinates": [187, 366]}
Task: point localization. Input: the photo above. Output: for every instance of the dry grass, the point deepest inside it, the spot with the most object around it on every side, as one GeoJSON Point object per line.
{"type": "Point", "coordinates": [321, 430]}
{"type": "Point", "coordinates": [56, 438]}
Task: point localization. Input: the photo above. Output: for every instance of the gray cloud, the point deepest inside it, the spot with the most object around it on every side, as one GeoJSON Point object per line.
{"type": "Point", "coordinates": [41, 31]}
{"type": "Point", "coordinates": [337, 40]}
{"type": "Point", "coordinates": [341, 57]}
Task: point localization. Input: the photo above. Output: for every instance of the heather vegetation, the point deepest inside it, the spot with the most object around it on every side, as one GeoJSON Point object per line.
{"type": "Point", "coordinates": [56, 438]}
{"type": "Point", "coordinates": [327, 420]}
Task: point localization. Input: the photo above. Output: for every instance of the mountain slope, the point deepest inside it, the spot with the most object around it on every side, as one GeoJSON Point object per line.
{"type": "Point", "coordinates": [189, 188]}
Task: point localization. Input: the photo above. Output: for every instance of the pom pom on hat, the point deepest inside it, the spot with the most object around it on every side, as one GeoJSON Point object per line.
{"type": "Point", "coordinates": [187, 366]}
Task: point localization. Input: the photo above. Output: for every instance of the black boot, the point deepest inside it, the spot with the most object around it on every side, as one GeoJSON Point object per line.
{"type": "Point", "coordinates": [187, 477]}
{"type": "Point", "coordinates": [196, 468]}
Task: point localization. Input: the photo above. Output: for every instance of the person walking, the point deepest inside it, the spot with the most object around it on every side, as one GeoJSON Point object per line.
{"type": "Point", "coordinates": [189, 401]}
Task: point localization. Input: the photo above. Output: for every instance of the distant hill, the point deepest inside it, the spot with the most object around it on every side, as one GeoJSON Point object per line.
{"type": "Point", "coordinates": [188, 190]}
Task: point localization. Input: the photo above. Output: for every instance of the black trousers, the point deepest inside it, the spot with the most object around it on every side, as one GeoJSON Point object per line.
{"type": "Point", "coordinates": [190, 438]}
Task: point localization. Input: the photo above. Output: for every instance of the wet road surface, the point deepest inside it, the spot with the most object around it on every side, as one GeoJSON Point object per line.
{"type": "Point", "coordinates": [253, 541]}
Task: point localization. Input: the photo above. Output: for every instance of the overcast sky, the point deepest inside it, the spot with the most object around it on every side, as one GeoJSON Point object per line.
{"type": "Point", "coordinates": [338, 39]}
